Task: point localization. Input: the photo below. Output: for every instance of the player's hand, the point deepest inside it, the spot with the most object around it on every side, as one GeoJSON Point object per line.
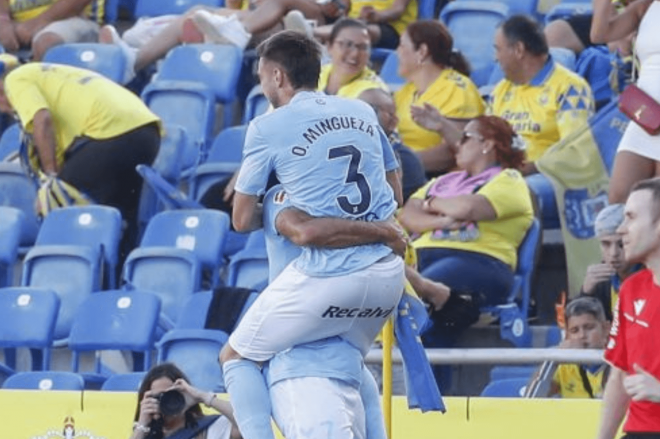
{"type": "Point", "coordinates": [427, 116]}
{"type": "Point", "coordinates": [368, 14]}
{"type": "Point", "coordinates": [228, 195]}
{"type": "Point", "coordinates": [398, 241]}
{"type": "Point", "coordinates": [571, 343]}
{"type": "Point", "coordinates": [595, 274]}
{"type": "Point", "coordinates": [192, 394]}
{"type": "Point", "coordinates": [8, 37]}
{"type": "Point", "coordinates": [642, 386]}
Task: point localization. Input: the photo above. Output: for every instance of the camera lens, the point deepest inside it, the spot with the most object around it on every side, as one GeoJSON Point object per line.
{"type": "Point", "coordinates": [172, 403]}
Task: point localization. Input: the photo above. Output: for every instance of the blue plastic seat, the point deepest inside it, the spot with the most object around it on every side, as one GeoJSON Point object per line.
{"type": "Point", "coordinates": [473, 23]}
{"type": "Point", "coordinates": [224, 159]}
{"type": "Point", "coordinates": [426, 9]}
{"type": "Point", "coordinates": [106, 59]}
{"type": "Point", "coordinates": [499, 373]}
{"type": "Point", "coordinates": [11, 227]}
{"type": "Point", "coordinates": [194, 313]}
{"type": "Point", "coordinates": [513, 314]}
{"type": "Point", "coordinates": [114, 320]}
{"type": "Point", "coordinates": [94, 226]}
{"type": "Point", "coordinates": [217, 66]}
{"type": "Point", "coordinates": [190, 105]}
{"type": "Point", "coordinates": [18, 190]}
{"type": "Point", "coordinates": [45, 380]}
{"type": "Point", "coordinates": [154, 8]}
{"type": "Point", "coordinates": [389, 72]}
{"type": "Point", "coordinates": [248, 268]}
{"type": "Point", "coordinates": [27, 320]}
{"type": "Point", "coordinates": [567, 9]}
{"type": "Point", "coordinates": [123, 382]}
{"type": "Point", "coordinates": [10, 142]}
{"type": "Point", "coordinates": [256, 104]}
{"type": "Point", "coordinates": [71, 271]}
{"type": "Point", "coordinates": [195, 351]}
{"type": "Point", "coordinates": [507, 388]}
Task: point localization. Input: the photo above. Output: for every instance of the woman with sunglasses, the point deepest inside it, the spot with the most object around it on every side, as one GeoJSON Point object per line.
{"type": "Point", "coordinates": [467, 225]}
{"type": "Point", "coordinates": [438, 76]}
{"type": "Point", "coordinates": [347, 74]}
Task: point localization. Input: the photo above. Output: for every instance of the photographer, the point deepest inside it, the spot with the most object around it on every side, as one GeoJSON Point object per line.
{"type": "Point", "coordinates": [169, 408]}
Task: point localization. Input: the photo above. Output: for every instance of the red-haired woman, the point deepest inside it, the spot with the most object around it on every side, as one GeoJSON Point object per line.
{"type": "Point", "coordinates": [469, 223]}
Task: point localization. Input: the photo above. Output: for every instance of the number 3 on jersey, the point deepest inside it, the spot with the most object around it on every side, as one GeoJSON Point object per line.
{"type": "Point", "coordinates": [352, 176]}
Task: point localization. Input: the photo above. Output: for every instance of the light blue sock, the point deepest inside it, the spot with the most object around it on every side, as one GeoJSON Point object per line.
{"type": "Point", "coordinates": [372, 409]}
{"type": "Point", "coordinates": [249, 397]}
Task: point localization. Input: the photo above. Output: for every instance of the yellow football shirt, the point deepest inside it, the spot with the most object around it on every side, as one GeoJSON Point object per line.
{"type": "Point", "coordinates": [81, 103]}
{"type": "Point", "coordinates": [500, 238]}
{"type": "Point", "coordinates": [409, 15]}
{"type": "Point", "coordinates": [366, 80]}
{"type": "Point", "coordinates": [452, 93]}
{"type": "Point", "coordinates": [23, 10]}
{"type": "Point", "coordinates": [554, 103]}
{"type": "Point", "coordinates": [568, 379]}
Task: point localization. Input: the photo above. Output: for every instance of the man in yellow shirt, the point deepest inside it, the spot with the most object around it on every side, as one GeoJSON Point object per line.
{"type": "Point", "coordinates": [40, 25]}
{"type": "Point", "coordinates": [83, 129]}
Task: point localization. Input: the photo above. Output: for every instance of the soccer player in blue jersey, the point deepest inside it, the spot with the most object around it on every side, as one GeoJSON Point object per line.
{"type": "Point", "coordinates": [333, 160]}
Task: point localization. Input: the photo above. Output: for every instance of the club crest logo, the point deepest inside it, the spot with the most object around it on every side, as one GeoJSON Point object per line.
{"type": "Point", "coordinates": [68, 432]}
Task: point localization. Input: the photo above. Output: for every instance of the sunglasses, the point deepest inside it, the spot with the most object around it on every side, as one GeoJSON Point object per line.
{"type": "Point", "coordinates": [468, 135]}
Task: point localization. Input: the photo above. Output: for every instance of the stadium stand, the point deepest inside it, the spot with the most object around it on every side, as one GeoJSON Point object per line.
{"type": "Point", "coordinates": [507, 388]}
{"type": "Point", "coordinates": [389, 72]}
{"type": "Point", "coordinates": [19, 191]}
{"type": "Point", "coordinates": [11, 225]}
{"type": "Point", "coordinates": [123, 382]}
{"type": "Point", "coordinates": [154, 8]}
{"type": "Point", "coordinates": [256, 104]}
{"type": "Point", "coordinates": [248, 268]}
{"type": "Point", "coordinates": [45, 380]}
{"type": "Point", "coordinates": [10, 142]}
{"type": "Point", "coordinates": [107, 59]}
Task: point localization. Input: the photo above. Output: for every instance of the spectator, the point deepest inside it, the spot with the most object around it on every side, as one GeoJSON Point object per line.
{"type": "Point", "coordinates": [604, 279]}
{"type": "Point", "coordinates": [468, 224]}
{"type": "Point", "coordinates": [633, 388]}
{"type": "Point", "coordinates": [586, 328]}
{"type": "Point", "coordinates": [386, 20]}
{"type": "Point", "coordinates": [44, 24]}
{"type": "Point", "coordinates": [411, 167]}
{"type": "Point", "coordinates": [543, 101]}
{"type": "Point", "coordinates": [347, 73]}
{"type": "Point", "coordinates": [190, 422]}
{"type": "Point", "coordinates": [637, 157]}
{"type": "Point", "coordinates": [438, 76]}
{"type": "Point", "coordinates": [85, 130]}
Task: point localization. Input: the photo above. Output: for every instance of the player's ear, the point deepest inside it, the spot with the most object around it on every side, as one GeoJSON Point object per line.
{"type": "Point", "coordinates": [278, 76]}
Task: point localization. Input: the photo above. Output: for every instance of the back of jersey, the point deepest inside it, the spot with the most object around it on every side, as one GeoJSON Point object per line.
{"type": "Point", "coordinates": [331, 157]}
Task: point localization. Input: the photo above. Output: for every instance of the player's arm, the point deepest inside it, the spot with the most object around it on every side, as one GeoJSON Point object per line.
{"type": "Point", "coordinates": [607, 25]}
{"type": "Point", "coordinates": [8, 37]}
{"type": "Point", "coordinates": [305, 230]}
{"type": "Point", "coordinates": [390, 14]}
{"type": "Point", "coordinates": [44, 141]}
{"type": "Point", "coordinates": [247, 214]}
{"type": "Point", "coordinates": [615, 404]}
{"type": "Point", "coordinates": [57, 11]}
{"type": "Point", "coordinates": [394, 180]}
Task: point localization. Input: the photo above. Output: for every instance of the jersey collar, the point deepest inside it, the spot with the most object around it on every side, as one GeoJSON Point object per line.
{"type": "Point", "coordinates": [544, 74]}
{"type": "Point", "coordinates": [305, 94]}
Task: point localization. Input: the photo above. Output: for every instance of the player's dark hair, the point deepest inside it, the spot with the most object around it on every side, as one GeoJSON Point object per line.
{"type": "Point", "coordinates": [298, 55]}
{"type": "Point", "coordinates": [653, 185]}
{"type": "Point", "coordinates": [439, 43]}
{"type": "Point", "coordinates": [526, 30]}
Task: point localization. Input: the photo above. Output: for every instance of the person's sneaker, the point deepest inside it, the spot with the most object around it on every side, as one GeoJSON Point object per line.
{"type": "Point", "coordinates": [296, 21]}
{"type": "Point", "coordinates": [108, 35]}
{"type": "Point", "coordinates": [221, 29]}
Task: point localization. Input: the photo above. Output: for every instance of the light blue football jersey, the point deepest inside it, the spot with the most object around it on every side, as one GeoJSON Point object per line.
{"type": "Point", "coordinates": [331, 157]}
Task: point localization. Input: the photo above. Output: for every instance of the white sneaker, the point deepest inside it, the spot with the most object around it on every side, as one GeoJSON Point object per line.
{"type": "Point", "coordinates": [108, 35]}
{"type": "Point", "coordinates": [296, 21]}
{"type": "Point", "coordinates": [221, 29]}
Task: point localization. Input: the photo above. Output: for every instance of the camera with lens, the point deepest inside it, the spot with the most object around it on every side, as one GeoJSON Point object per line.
{"type": "Point", "coordinates": [171, 403]}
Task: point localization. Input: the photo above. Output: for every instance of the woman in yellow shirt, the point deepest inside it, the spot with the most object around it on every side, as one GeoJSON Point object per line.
{"type": "Point", "coordinates": [436, 75]}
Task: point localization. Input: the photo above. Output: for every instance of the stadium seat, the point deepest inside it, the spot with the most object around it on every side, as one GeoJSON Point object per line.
{"type": "Point", "coordinates": [256, 104]}
{"type": "Point", "coordinates": [566, 9]}
{"type": "Point", "coordinates": [190, 105]}
{"type": "Point", "coordinates": [154, 8]}
{"type": "Point", "coordinates": [513, 314]}
{"type": "Point", "coordinates": [248, 268]}
{"type": "Point", "coordinates": [223, 160]}
{"type": "Point", "coordinates": [10, 142]}
{"type": "Point", "coordinates": [507, 388]}
{"type": "Point", "coordinates": [389, 72]}
{"type": "Point", "coordinates": [473, 23]}
{"type": "Point", "coordinates": [95, 226]}
{"type": "Point", "coordinates": [18, 190]}
{"type": "Point", "coordinates": [45, 380]}
{"type": "Point", "coordinates": [194, 313]}
{"type": "Point", "coordinates": [114, 320]}
{"type": "Point", "coordinates": [217, 66]}
{"type": "Point", "coordinates": [11, 226]}
{"type": "Point", "coordinates": [123, 382]}
{"type": "Point", "coordinates": [195, 351]}
{"type": "Point", "coordinates": [106, 59]}
{"type": "Point", "coordinates": [499, 373]}
{"type": "Point", "coordinates": [168, 196]}
{"type": "Point", "coordinates": [71, 271]}
{"type": "Point", "coordinates": [426, 9]}
{"type": "Point", "coordinates": [27, 320]}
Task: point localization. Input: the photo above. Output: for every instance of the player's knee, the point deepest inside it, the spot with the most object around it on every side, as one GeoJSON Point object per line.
{"type": "Point", "coordinates": [44, 42]}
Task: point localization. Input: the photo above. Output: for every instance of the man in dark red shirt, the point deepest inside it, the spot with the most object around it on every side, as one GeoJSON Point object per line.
{"type": "Point", "coordinates": [633, 348]}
